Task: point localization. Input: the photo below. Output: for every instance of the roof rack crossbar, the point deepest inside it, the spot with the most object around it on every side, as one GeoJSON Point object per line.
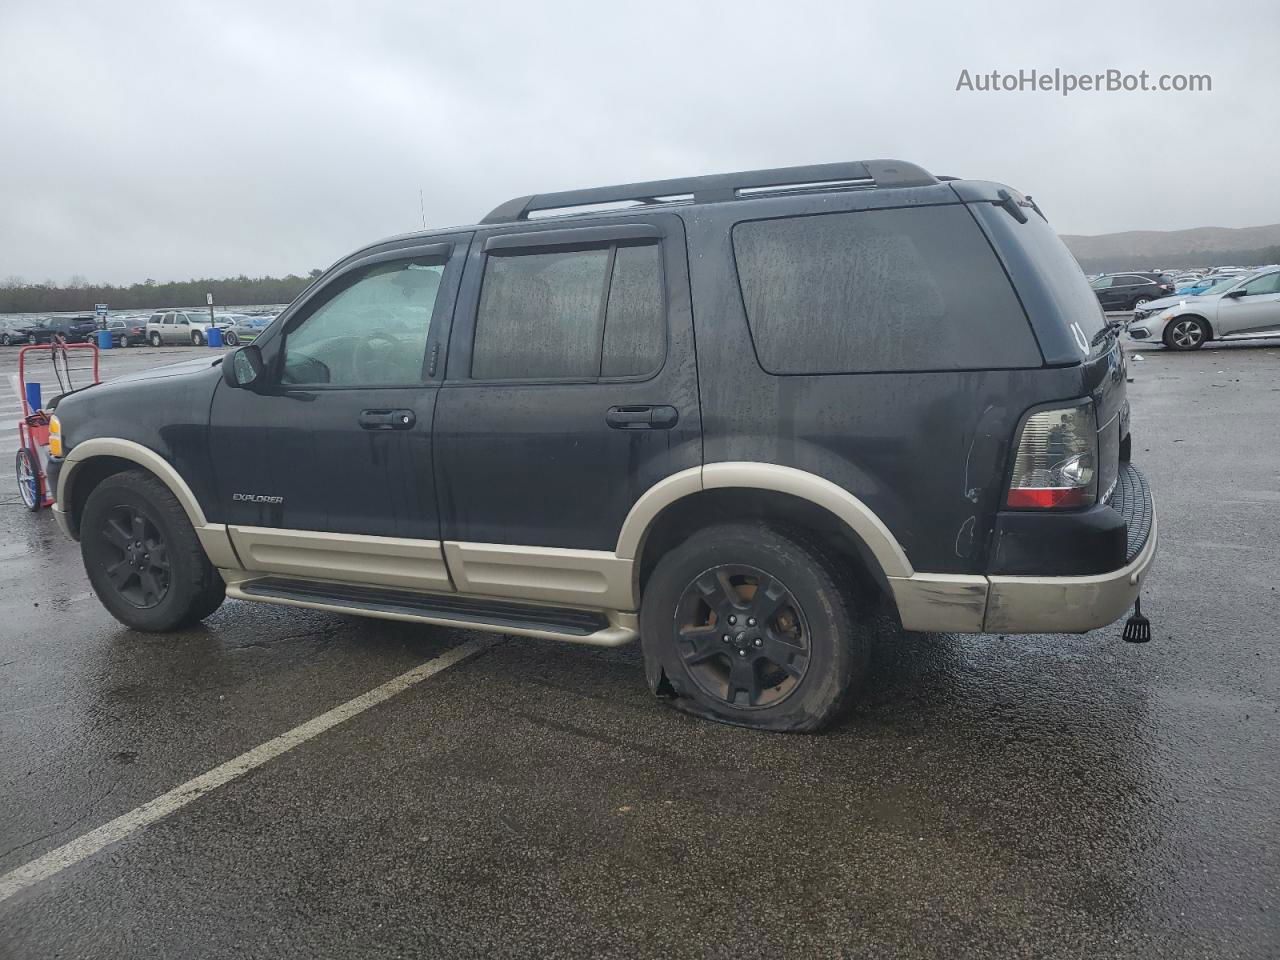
{"type": "Point", "coordinates": [722, 186]}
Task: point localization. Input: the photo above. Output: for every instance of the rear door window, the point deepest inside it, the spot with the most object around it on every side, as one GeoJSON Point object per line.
{"type": "Point", "coordinates": [571, 314]}
{"type": "Point", "coordinates": [879, 290]}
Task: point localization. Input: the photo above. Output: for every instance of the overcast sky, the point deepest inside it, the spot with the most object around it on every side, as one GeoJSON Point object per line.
{"type": "Point", "coordinates": [173, 139]}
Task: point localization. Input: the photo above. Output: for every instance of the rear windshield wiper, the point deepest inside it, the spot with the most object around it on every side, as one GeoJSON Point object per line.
{"type": "Point", "coordinates": [1112, 327]}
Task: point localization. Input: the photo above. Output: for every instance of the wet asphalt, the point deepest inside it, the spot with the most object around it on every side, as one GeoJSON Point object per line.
{"type": "Point", "coordinates": [1050, 796]}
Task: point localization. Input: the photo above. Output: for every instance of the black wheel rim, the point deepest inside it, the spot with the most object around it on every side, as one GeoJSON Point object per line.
{"type": "Point", "coordinates": [136, 560]}
{"type": "Point", "coordinates": [742, 636]}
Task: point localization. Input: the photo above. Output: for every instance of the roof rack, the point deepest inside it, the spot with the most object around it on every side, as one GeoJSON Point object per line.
{"type": "Point", "coordinates": [720, 187]}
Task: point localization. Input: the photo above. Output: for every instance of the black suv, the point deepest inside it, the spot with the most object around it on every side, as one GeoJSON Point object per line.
{"type": "Point", "coordinates": [1128, 291]}
{"type": "Point", "coordinates": [732, 416]}
{"type": "Point", "coordinates": [71, 329]}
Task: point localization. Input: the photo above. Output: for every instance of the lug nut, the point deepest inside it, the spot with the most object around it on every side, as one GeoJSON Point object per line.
{"type": "Point", "coordinates": [742, 653]}
{"type": "Point", "coordinates": [725, 638]}
{"type": "Point", "coordinates": [732, 618]}
{"type": "Point", "coordinates": [751, 621]}
{"type": "Point", "coordinates": [759, 642]}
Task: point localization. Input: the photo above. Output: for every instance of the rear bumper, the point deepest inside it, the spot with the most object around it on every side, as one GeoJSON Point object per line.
{"type": "Point", "coordinates": [1067, 604]}
{"type": "Point", "coordinates": [1001, 603]}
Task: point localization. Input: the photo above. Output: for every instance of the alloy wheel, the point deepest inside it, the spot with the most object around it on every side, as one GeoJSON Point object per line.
{"type": "Point", "coordinates": [1187, 333]}
{"type": "Point", "coordinates": [137, 561]}
{"type": "Point", "coordinates": [742, 635]}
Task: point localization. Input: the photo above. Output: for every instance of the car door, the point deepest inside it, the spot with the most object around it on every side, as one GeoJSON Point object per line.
{"type": "Point", "coordinates": [571, 390]}
{"type": "Point", "coordinates": [1102, 287]}
{"type": "Point", "coordinates": [1256, 309]}
{"type": "Point", "coordinates": [326, 468]}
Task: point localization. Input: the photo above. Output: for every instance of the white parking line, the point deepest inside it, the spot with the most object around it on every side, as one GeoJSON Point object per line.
{"type": "Point", "coordinates": [69, 854]}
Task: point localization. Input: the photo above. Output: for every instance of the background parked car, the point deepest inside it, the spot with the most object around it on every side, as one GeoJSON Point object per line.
{"type": "Point", "coordinates": [128, 331]}
{"type": "Point", "coordinates": [1245, 306]}
{"type": "Point", "coordinates": [177, 327]}
{"type": "Point", "coordinates": [1206, 285]}
{"type": "Point", "coordinates": [245, 329]}
{"type": "Point", "coordinates": [71, 329]}
{"type": "Point", "coordinates": [1127, 291]}
{"type": "Point", "coordinates": [13, 332]}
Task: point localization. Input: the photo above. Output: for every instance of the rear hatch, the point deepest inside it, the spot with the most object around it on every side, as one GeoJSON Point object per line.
{"type": "Point", "coordinates": [1068, 321]}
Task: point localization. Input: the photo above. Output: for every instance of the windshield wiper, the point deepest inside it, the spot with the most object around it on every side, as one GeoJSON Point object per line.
{"type": "Point", "coordinates": [1112, 327]}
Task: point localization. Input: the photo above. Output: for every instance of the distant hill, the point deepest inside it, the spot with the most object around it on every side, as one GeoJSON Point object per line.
{"type": "Point", "coordinates": [1199, 247]}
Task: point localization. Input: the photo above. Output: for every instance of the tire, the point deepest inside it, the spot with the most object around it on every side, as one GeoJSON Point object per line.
{"type": "Point", "coordinates": [826, 649]}
{"type": "Point", "coordinates": [1185, 333]}
{"type": "Point", "coordinates": [1139, 302]}
{"type": "Point", "coordinates": [197, 338]}
{"type": "Point", "coordinates": [30, 487]}
{"type": "Point", "coordinates": [155, 338]}
{"type": "Point", "coordinates": [131, 508]}
{"type": "Point", "coordinates": [231, 340]}
{"type": "Point", "coordinates": [4, 340]}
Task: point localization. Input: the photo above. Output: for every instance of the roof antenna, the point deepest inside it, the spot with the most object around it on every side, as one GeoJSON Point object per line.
{"type": "Point", "coordinates": [422, 209]}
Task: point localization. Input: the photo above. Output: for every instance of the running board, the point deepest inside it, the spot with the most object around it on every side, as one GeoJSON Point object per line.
{"type": "Point", "coordinates": [500, 616]}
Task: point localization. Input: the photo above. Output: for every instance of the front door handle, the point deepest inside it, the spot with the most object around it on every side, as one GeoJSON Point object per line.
{"type": "Point", "coordinates": [642, 417]}
{"type": "Point", "coordinates": [387, 419]}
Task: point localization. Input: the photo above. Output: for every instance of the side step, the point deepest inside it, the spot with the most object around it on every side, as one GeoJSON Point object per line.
{"type": "Point", "coordinates": [501, 616]}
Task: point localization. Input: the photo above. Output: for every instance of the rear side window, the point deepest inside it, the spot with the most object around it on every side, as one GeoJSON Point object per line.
{"type": "Point", "coordinates": [879, 290]}
{"type": "Point", "coordinates": [571, 314]}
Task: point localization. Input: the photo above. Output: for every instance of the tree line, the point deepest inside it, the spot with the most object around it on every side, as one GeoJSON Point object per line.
{"type": "Point", "coordinates": [18, 296]}
{"type": "Point", "coordinates": [1191, 259]}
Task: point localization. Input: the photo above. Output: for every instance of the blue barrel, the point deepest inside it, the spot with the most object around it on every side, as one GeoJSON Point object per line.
{"type": "Point", "coordinates": [105, 340]}
{"type": "Point", "coordinates": [214, 337]}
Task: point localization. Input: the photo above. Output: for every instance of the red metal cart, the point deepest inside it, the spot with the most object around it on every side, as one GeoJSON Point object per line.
{"type": "Point", "coordinates": [46, 366]}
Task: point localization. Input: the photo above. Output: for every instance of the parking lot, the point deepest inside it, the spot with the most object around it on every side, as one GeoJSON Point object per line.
{"type": "Point", "coordinates": [989, 795]}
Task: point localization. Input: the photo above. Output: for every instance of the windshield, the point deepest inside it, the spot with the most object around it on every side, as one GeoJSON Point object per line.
{"type": "Point", "coordinates": [1219, 285]}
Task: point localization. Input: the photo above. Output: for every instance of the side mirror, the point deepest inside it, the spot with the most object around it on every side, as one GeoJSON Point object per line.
{"type": "Point", "coordinates": [243, 367]}
{"type": "Point", "coordinates": [1235, 294]}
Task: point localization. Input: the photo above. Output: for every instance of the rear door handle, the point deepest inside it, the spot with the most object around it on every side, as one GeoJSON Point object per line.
{"type": "Point", "coordinates": [387, 419]}
{"type": "Point", "coordinates": [642, 417]}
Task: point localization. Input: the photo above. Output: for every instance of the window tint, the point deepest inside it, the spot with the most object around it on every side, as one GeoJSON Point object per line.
{"type": "Point", "coordinates": [1101, 283]}
{"type": "Point", "coordinates": [1268, 284]}
{"type": "Point", "coordinates": [545, 315]}
{"type": "Point", "coordinates": [371, 332]}
{"type": "Point", "coordinates": [634, 330]}
{"type": "Point", "coordinates": [905, 289]}
{"type": "Point", "coordinates": [540, 316]}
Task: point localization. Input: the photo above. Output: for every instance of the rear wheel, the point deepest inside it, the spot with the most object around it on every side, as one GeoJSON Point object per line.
{"type": "Point", "coordinates": [5, 340]}
{"type": "Point", "coordinates": [1186, 333]}
{"type": "Point", "coordinates": [155, 338]}
{"type": "Point", "coordinates": [142, 555]}
{"type": "Point", "coordinates": [29, 486]}
{"type": "Point", "coordinates": [753, 626]}
{"type": "Point", "coordinates": [230, 339]}
{"type": "Point", "coordinates": [1139, 302]}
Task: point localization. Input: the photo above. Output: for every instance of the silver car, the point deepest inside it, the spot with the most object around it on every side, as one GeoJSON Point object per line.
{"type": "Point", "coordinates": [183, 327]}
{"type": "Point", "coordinates": [1246, 306]}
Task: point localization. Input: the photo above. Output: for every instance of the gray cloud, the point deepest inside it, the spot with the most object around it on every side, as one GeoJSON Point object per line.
{"type": "Point", "coordinates": [175, 139]}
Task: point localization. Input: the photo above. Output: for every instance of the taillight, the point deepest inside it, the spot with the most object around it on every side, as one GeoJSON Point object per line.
{"type": "Point", "coordinates": [1056, 464]}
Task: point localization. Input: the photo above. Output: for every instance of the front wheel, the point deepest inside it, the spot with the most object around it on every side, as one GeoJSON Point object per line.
{"type": "Point", "coordinates": [29, 486]}
{"type": "Point", "coordinates": [4, 340]}
{"type": "Point", "coordinates": [155, 338]}
{"type": "Point", "coordinates": [142, 555]}
{"type": "Point", "coordinates": [753, 626]}
{"type": "Point", "coordinates": [197, 338]}
{"type": "Point", "coordinates": [1186, 333]}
